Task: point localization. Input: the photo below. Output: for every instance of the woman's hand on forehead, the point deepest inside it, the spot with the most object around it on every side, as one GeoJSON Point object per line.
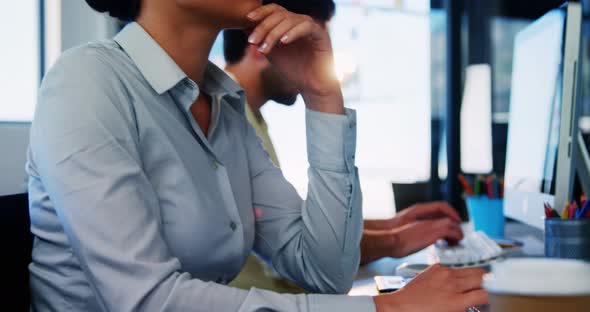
{"type": "Point", "coordinates": [301, 51]}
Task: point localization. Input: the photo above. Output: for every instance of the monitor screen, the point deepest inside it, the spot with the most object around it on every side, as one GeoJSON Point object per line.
{"type": "Point", "coordinates": [534, 106]}
{"type": "Point", "coordinates": [534, 123]}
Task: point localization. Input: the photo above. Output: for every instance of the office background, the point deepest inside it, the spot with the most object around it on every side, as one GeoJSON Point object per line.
{"type": "Point", "coordinates": [402, 64]}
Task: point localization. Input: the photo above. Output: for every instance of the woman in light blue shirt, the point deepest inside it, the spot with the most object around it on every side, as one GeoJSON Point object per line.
{"type": "Point", "coordinates": [148, 188]}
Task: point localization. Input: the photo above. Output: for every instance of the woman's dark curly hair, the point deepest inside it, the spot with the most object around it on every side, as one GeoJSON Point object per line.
{"type": "Point", "coordinates": [126, 10]}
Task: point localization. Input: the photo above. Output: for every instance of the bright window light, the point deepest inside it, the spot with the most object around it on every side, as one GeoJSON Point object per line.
{"type": "Point", "coordinates": [476, 121]}
{"type": "Point", "coordinates": [20, 59]}
{"type": "Point", "coordinates": [52, 33]}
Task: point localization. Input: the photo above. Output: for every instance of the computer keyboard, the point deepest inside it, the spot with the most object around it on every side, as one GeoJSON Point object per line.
{"type": "Point", "coordinates": [476, 250]}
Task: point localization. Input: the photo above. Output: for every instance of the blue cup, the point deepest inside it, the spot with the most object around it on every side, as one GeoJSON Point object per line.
{"type": "Point", "coordinates": [487, 215]}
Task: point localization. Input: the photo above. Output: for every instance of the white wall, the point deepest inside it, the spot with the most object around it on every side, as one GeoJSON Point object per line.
{"type": "Point", "coordinates": [79, 24]}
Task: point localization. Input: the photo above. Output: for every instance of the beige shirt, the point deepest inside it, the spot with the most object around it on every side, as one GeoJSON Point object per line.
{"type": "Point", "coordinates": [256, 273]}
{"type": "Point", "coordinates": [259, 124]}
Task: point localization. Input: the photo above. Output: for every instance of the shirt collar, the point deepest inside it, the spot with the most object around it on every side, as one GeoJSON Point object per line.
{"type": "Point", "coordinates": [156, 66]}
{"type": "Point", "coordinates": [162, 73]}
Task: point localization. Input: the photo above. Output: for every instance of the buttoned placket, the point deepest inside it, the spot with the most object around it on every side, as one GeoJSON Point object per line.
{"type": "Point", "coordinates": [189, 94]}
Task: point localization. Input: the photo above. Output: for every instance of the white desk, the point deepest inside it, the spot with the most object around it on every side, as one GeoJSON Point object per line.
{"type": "Point", "coordinates": [364, 284]}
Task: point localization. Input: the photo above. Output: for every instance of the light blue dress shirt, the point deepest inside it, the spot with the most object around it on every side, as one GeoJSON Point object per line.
{"type": "Point", "coordinates": [134, 209]}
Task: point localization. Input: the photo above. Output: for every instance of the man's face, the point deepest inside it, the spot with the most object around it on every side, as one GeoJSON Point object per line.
{"type": "Point", "coordinates": [278, 89]}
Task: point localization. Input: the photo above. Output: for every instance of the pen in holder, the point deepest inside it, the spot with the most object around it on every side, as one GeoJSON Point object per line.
{"type": "Point", "coordinates": [569, 239]}
{"type": "Point", "coordinates": [487, 215]}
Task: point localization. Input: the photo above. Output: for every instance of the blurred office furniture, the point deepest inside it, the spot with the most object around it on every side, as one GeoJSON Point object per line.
{"type": "Point", "coordinates": [454, 10]}
{"type": "Point", "coordinates": [499, 144]}
{"type": "Point", "coordinates": [407, 195]}
{"type": "Point", "coordinates": [17, 243]}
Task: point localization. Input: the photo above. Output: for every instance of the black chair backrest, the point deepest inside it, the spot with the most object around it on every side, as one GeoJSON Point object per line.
{"type": "Point", "coordinates": [407, 195]}
{"type": "Point", "coordinates": [17, 244]}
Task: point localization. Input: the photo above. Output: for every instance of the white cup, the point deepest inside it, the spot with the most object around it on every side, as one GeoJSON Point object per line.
{"type": "Point", "coordinates": [548, 285]}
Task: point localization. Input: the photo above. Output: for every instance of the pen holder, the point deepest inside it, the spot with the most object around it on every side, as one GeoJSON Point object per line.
{"type": "Point", "coordinates": [568, 239]}
{"type": "Point", "coordinates": [487, 215]}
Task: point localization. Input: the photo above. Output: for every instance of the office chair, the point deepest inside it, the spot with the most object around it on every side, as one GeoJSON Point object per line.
{"type": "Point", "coordinates": [407, 195]}
{"type": "Point", "coordinates": [17, 244]}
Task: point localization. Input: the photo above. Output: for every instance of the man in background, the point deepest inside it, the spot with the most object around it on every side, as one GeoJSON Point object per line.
{"type": "Point", "coordinates": [409, 231]}
{"type": "Point", "coordinates": [253, 72]}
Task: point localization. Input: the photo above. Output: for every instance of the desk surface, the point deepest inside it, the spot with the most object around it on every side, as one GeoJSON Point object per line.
{"type": "Point", "coordinates": [364, 284]}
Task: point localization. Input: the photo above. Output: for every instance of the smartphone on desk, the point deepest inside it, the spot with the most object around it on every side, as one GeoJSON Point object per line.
{"type": "Point", "coordinates": [388, 284]}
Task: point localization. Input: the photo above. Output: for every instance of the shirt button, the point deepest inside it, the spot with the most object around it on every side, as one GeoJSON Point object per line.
{"type": "Point", "coordinates": [233, 226]}
{"type": "Point", "coordinates": [215, 165]}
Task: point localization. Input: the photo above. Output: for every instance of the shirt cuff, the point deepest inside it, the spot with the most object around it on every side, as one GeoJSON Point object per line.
{"type": "Point", "coordinates": [331, 140]}
{"type": "Point", "coordinates": [341, 303]}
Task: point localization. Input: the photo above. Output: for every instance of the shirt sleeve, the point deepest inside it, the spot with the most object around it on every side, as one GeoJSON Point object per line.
{"type": "Point", "coordinates": [85, 144]}
{"type": "Point", "coordinates": [314, 242]}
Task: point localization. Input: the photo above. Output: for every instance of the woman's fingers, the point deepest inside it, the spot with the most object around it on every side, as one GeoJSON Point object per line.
{"type": "Point", "coordinates": [467, 272]}
{"type": "Point", "coordinates": [263, 12]}
{"type": "Point", "coordinates": [469, 279]}
{"type": "Point", "coordinates": [277, 25]}
{"type": "Point", "coordinates": [258, 35]}
{"type": "Point", "coordinates": [440, 288]}
{"type": "Point", "coordinates": [475, 298]}
{"type": "Point", "coordinates": [469, 286]}
{"type": "Point", "coordinates": [305, 28]}
{"type": "Point", "coordinates": [276, 34]}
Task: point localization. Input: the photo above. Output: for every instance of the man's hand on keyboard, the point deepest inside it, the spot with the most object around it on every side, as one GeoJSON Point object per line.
{"type": "Point", "coordinates": [438, 289]}
{"type": "Point", "coordinates": [410, 231]}
{"type": "Point", "coordinates": [427, 211]}
{"type": "Point", "coordinates": [416, 236]}
{"type": "Point", "coordinates": [418, 212]}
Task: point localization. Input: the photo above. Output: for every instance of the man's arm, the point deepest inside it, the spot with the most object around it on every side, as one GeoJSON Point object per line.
{"type": "Point", "coordinates": [379, 225]}
{"type": "Point", "coordinates": [410, 231]}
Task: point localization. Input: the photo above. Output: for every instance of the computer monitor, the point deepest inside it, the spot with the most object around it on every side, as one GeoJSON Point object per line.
{"type": "Point", "coordinates": [543, 115]}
